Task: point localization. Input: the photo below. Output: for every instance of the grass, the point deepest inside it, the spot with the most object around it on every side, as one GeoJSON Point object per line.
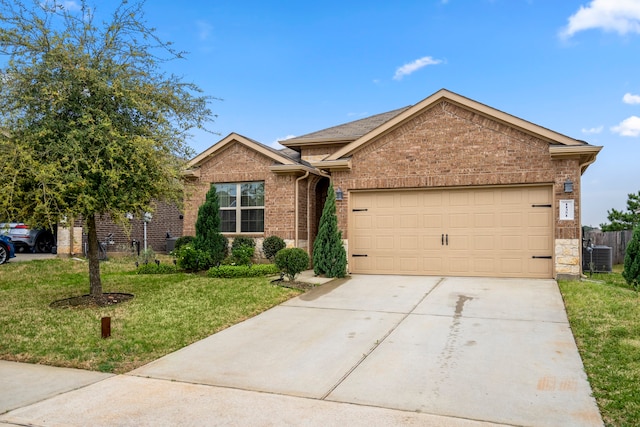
{"type": "Point", "coordinates": [169, 311]}
{"type": "Point", "coordinates": [605, 319]}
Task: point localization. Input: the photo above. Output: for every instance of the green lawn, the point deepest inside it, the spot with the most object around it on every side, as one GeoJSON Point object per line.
{"type": "Point", "coordinates": [167, 313]}
{"type": "Point", "coordinates": [605, 318]}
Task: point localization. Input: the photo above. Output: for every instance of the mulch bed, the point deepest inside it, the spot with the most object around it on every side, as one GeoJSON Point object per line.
{"type": "Point", "coordinates": [87, 301]}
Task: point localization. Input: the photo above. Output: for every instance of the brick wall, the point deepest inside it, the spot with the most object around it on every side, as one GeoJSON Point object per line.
{"type": "Point", "coordinates": [166, 218]}
{"type": "Point", "coordinates": [448, 146]}
{"type": "Point", "coordinates": [237, 163]}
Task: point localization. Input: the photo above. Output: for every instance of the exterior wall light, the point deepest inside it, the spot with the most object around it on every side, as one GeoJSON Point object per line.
{"type": "Point", "coordinates": [568, 186]}
{"type": "Point", "coordinates": [339, 194]}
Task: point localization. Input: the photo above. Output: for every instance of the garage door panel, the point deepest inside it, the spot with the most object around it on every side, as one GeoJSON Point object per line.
{"type": "Point", "coordinates": [432, 265]}
{"type": "Point", "coordinates": [484, 266]}
{"type": "Point", "coordinates": [512, 265]}
{"type": "Point", "coordinates": [491, 232]}
{"type": "Point", "coordinates": [512, 243]}
{"type": "Point", "coordinates": [484, 220]}
{"type": "Point", "coordinates": [384, 200]}
{"type": "Point", "coordinates": [459, 265]}
{"type": "Point", "coordinates": [408, 242]}
{"type": "Point", "coordinates": [362, 243]}
{"type": "Point", "coordinates": [432, 221]}
{"type": "Point", "coordinates": [459, 220]}
{"type": "Point", "coordinates": [408, 264]}
{"type": "Point", "coordinates": [385, 222]}
{"type": "Point", "coordinates": [407, 221]}
{"type": "Point", "coordinates": [408, 199]}
{"type": "Point", "coordinates": [484, 243]}
{"type": "Point", "coordinates": [511, 219]}
{"type": "Point", "coordinates": [385, 243]}
{"type": "Point", "coordinates": [539, 243]}
{"type": "Point", "coordinates": [539, 266]}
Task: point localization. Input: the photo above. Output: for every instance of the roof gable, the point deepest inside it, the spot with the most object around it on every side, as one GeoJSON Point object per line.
{"type": "Point", "coordinates": [269, 152]}
{"type": "Point", "coordinates": [554, 138]}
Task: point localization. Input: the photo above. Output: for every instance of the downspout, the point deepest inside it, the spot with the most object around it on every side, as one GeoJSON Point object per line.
{"type": "Point", "coordinates": [308, 218]}
{"type": "Point", "coordinates": [306, 175]}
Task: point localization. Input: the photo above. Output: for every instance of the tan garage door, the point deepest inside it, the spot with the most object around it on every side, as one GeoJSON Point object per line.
{"type": "Point", "coordinates": [493, 232]}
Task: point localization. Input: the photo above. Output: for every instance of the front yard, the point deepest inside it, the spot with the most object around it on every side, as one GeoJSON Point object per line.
{"type": "Point", "coordinates": [605, 319]}
{"type": "Point", "coordinates": [168, 312]}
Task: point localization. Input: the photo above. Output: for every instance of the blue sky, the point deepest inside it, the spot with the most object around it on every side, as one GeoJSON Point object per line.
{"type": "Point", "coordinates": [286, 68]}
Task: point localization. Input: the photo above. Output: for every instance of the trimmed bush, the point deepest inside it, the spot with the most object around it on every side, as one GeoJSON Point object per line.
{"type": "Point", "coordinates": [271, 245]}
{"type": "Point", "coordinates": [242, 241]}
{"type": "Point", "coordinates": [329, 256]}
{"type": "Point", "coordinates": [208, 237]}
{"type": "Point", "coordinates": [154, 268]}
{"type": "Point", "coordinates": [292, 261]}
{"type": "Point", "coordinates": [236, 271]}
{"type": "Point", "coordinates": [181, 241]}
{"type": "Point", "coordinates": [191, 259]}
{"type": "Point", "coordinates": [631, 272]}
{"type": "Point", "coordinates": [242, 255]}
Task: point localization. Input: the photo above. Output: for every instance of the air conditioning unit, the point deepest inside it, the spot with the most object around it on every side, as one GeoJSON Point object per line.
{"type": "Point", "coordinates": [600, 256]}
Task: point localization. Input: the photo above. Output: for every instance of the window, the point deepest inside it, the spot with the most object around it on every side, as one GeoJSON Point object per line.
{"type": "Point", "coordinates": [246, 216]}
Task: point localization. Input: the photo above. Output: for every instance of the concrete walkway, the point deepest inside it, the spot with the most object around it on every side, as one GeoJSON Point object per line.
{"type": "Point", "coordinates": [371, 350]}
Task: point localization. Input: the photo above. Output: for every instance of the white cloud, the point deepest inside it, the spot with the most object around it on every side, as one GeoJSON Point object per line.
{"type": "Point", "coordinates": [631, 99]}
{"type": "Point", "coordinates": [414, 66]}
{"type": "Point", "coordinates": [204, 29]}
{"type": "Point", "coordinates": [621, 16]}
{"type": "Point", "coordinates": [71, 5]}
{"type": "Point", "coordinates": [592, 130]}
{"type": "Point", "coordinates": [628, 127]}
{"type": "Point", "coordinates": [276, 144]}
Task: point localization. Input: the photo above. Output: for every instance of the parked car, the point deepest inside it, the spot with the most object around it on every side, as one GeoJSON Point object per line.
{"type": "Point", "coordinates": [27, 239]}
{"type": "Point", "coordinates": [6, 249]}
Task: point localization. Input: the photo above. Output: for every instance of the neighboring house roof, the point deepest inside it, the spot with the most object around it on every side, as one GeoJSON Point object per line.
{"type": "Point", "coordinates": [345, 132]}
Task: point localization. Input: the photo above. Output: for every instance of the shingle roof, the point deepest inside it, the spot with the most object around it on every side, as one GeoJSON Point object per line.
{"type": "Point", "coordinates": [347, 131]}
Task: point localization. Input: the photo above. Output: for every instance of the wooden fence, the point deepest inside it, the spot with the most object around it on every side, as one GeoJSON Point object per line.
{"type": "Point", "coordinates": [617, 240]}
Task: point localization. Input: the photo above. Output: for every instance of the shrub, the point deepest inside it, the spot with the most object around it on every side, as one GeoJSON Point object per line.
{"type": "Point", "coordinates": [242, 255]}
{"type": "Point", "coordinates": [329, 256]}
{"type": "Point", "coordinates": [147, 256]}
{"type": "Point", "coordinates": [181, 241]}
{"type": "Point", "coordinates": [243, 241]}
{"type": "Point", "coordinates": [236, 271]}
{"type": "Point", "coordinates": [154, 268]}
{"type": "Point", "coordinates": [191, 259]}
{"type": "Point", "coordinates": [271, 245]}
{"type": "Point", "coordinates": [208, 237]}
{"type": "Point", "coordinates": [631, 272]}
{"type": "Point", "coordinates": [292, 261]}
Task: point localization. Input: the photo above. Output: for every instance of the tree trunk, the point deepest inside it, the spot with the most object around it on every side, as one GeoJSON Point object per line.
{"type": "Point", "coordinates": [92, 253]}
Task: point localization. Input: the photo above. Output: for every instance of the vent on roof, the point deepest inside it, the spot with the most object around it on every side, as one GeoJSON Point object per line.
{"type": "Point", "coordinates": [598, 259]}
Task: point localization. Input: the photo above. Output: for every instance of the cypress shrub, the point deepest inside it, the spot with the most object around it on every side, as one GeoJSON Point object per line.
{"type": "Point", "coordinates": [208, 237]}
{"type": "Point", "coordinates": [329, 256]}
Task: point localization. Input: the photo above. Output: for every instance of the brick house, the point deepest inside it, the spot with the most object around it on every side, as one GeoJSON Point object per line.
{"type": "Point", "coordinates": [448, 186]}
{"type": "Point", "coordinates": [165, 220]}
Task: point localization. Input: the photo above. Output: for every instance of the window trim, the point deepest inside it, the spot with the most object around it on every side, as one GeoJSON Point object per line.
{"type": "Point", "coordinates": [238, 208]}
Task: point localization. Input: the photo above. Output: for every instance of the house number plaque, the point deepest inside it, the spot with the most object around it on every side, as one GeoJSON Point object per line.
{"type": "Point", "coordinates": [567, 210]}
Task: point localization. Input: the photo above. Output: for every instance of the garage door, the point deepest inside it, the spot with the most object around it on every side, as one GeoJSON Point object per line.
{"type": "Point", "coordinates": [493, 232]}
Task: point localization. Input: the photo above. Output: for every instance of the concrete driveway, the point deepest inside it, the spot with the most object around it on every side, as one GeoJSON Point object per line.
{"type": "Point", "coordinates": [371, 350]}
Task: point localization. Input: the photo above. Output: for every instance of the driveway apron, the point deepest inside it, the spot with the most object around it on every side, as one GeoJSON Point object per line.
{"type": "Point", "coordinates": [492, 350]}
